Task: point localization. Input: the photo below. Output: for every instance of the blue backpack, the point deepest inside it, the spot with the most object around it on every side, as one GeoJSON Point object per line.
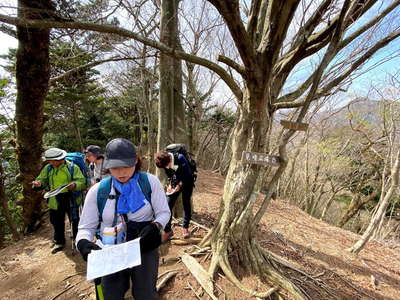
{"type": "Point", "coordinates": [105, 189]}
{"type": "Point", "coordinates": [78, 159]}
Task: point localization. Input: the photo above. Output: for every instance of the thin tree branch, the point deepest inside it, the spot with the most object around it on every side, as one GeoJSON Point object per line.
{"type": "Point", "coordinates": [229, 10]}
{"type": "Point", "coordinates": [8, 30]}
{"type": "Point", "coordinates": [329, 86]}
{"type": "Point", "coordinates": [308, 28]}
{"type": "Point", "coordinates": [226, 60]}
{"type": "Point", "coordinates": [90, 65]}
{"type": "Point", "coordinates": [292, 96]}
{"type": "Point", "coordinates": [367, 55]}
{"type": "Point", "coordinates": [317, 41]}
{"type": "Point", "coordinates": [126, 33]}
{"type": "Point", "coordinates": [368, 25]}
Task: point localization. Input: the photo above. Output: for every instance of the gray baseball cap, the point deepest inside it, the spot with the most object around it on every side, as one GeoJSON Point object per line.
{"type": "Point", "coordinates": [120, 153]}
{"type": "Point", "coordinates": [94, 149]}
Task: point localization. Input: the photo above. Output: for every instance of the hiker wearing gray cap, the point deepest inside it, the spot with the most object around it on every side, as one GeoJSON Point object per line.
{"type": "Point", "coordinates": [56, 173]}
{"type": "Point", "coordinates": [127, 205]}
{"type": "Point", "coordinates": [95, 156]}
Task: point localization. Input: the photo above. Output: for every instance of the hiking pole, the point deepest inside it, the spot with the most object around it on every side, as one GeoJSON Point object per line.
{"type": "Point", "coordinates": [99, 289]}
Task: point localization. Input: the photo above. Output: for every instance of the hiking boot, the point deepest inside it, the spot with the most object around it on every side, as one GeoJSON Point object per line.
{"type": "Point", "coordinates": [166, 236]}
{"type": "Point", "coordinates": [57, 248]}
{"type": "Point", "coordinates": [185, 233]}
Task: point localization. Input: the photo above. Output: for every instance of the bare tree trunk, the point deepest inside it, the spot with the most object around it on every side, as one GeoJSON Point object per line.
{"type": "Point", "coordinates": [170, 102]}
{"type": "Point", "coordinates": [317, 200]}
{"type": "Point", "coordinates": [227, 154]}
{"type": "Point", "coordinates": [76, 126]}
{"type": "Point", "coordinates": [380, 212]}
{"type": "Point", "coordinates": [310, 196]}
{"type": "Point", "coordinates": [171, 125]}
{"type": "Point", "coordinates": [290, 172]}
{"type": "Point", "coordinates": [236, 225]}
{"type": "Point", "coordinates": [32, 66]}
{"type": "Point", "coordinates": [355, 206]}
{"type": "Point", "coordinates": [151, 121]}
{"type": "Point", "coordinates": [327, 206]}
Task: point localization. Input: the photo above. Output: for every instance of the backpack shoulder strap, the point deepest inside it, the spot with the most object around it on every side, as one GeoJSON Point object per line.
{"type": "Point", "coordinates": [102, 195]}
{"type": "Point", "coordinates": [145, 186]}
{"type": "Point", "coordinates": [70, 165]}
{"type": "Point", "coordinates": [105, 189]}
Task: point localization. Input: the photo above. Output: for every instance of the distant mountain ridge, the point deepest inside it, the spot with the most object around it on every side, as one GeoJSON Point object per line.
{"type": "Point", "coordinates": [361, 109]}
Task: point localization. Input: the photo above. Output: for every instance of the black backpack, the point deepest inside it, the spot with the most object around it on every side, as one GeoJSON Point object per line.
{"type": "Point", "coordinates": [180, 148]}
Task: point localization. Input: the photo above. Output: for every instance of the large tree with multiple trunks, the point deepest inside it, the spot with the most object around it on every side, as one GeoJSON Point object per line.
{"type": "Point", "coordinates": [273, 39]}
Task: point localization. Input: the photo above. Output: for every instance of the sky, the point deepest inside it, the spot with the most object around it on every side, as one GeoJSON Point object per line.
{"type": "Point", "coordinates": [359, 86]}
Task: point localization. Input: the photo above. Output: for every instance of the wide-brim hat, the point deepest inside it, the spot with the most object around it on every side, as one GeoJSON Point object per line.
{"type": "Point", "coordinates": [120, 153]}
{"type": "Point", "coordinates": [54, 154]}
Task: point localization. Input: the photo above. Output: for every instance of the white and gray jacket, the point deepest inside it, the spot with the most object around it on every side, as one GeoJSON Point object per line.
{"type": "Point", "coordinates": [157, 211]}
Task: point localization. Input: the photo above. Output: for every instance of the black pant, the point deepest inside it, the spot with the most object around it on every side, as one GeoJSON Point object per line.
{"type": "Point", "coordinates": [57, 217]}
{"type": "Point", "coordinates": [186, 190]}
{"type": "Point", "coordinates": [143, 278]}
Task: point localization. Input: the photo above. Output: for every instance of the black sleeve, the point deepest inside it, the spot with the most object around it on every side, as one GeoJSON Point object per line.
{"type": "Point", "coordinates": [183, 173]}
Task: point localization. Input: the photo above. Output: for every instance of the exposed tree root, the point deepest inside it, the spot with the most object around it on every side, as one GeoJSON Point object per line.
{"type": "Point", "coordinates": [206, 240]}
{"type": "Point", "coordinates": [201, 251]}
{"type": "Point", "coordinates": [270, 267]}
{"type": "Point", "coordinates": [225, 266]}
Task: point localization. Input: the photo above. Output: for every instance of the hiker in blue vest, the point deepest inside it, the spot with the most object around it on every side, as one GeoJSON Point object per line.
{"type": "Point", "coordinates": [180, 178]}
{"type": "Point", "coordinates": [130, 201]}
{"type": "Point", "coordinates": [95, 157]}
{"type": "Point", "coordinates": [57, 172]}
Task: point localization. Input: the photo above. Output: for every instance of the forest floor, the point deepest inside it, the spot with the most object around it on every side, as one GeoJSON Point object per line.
{"type": "Point", "coordinates": [29, 271]}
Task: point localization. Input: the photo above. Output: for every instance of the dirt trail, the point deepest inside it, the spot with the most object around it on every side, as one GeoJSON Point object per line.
{"type": "Point", "coordinates": [29, 271]}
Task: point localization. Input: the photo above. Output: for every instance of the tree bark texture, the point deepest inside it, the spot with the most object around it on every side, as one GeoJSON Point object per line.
{"type": "Point", "coordinates": [171, 121]}
{"type": "Point", "coordinates": [32, 74]}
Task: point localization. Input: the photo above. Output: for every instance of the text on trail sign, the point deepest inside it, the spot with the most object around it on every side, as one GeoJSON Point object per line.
{"type": "Point", "coordinates": [260, 158]}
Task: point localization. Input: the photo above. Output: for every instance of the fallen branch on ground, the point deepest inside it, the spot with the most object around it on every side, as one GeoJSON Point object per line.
{"type": "Point", "coordinates": [192, 222]}
{"type": "Point", "coordinates": [164, 280]}
{"type": "Point", "coordinates": [70, 276]}
{"type": "Point", "coordinates": [188, 241]}
{"type": "Point", "coordinates": [201, 251]}
{"type": "Point", "coordinates": [67, 289]}
{"type": "Point", "coordinates": [197, 295]}
{"type": "Point", "coordinates": [166, 272]}
{"type": "Point", "coordinates": [199, 274]}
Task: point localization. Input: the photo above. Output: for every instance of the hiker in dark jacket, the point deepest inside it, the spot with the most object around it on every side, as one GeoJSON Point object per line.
{"type": "Point", "coordinates": [55, 173]}
{"type": "Point", "coordinates": [126, 209]}
{"type": "Point", "coordinates": [180, 180]}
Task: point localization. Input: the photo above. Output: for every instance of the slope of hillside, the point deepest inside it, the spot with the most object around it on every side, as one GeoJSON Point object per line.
{"type": "Point", "coordinates": [29, 271]}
